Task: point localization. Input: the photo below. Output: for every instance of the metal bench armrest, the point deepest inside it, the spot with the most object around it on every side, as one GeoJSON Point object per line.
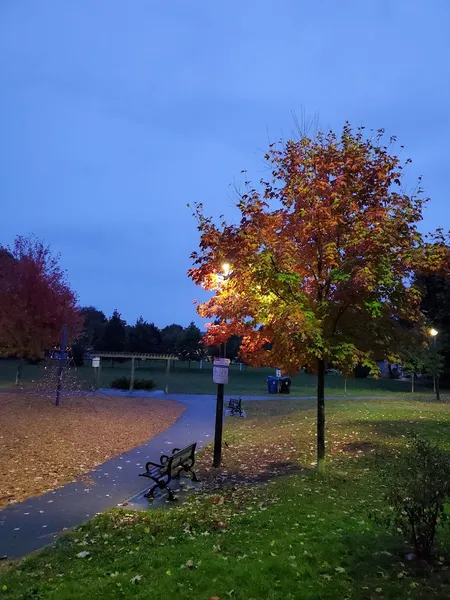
{"type": "Point", "coordinates": [153, 465]}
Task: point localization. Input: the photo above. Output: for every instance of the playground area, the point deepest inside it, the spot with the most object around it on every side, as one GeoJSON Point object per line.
{"type": "Point", "coordinates": [189, 378]}
{"type": "Point", "coordinates": [44, 446]}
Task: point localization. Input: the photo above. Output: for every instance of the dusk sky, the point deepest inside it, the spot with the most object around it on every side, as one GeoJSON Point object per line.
{"type": "Point", "coordinates": [114, 115]}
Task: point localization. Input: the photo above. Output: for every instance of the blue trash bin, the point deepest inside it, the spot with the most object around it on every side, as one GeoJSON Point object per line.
{"type": "Point", "coordinates": [272, 385]}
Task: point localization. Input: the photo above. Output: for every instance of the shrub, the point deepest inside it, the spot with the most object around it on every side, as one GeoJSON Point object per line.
{"type": "Point", "coordinates": [144, 384]}
{"type": "Point", "coordinates": [417, 489]}
{"type": "Point", "coordinates": [123, 383]}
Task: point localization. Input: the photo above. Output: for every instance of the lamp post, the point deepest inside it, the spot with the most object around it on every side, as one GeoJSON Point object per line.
{"type": "Point", "coordinates": [217, 458]}
{"type": "Point", "coordinates": [433, 333]}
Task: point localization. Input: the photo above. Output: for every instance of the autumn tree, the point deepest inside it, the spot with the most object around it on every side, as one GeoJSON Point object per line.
{"type": "Point", "coordinates": [35, 300]}
{"type": "Point", "coordinates": [322, 259]}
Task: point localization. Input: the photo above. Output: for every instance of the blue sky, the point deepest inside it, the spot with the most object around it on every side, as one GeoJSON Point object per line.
{"type": "Point", "coordinates": [114, 115]}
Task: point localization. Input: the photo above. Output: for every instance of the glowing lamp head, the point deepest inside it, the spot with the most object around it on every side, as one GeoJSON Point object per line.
{"type": "Point", "coordinates": [433, 332]}
{"type": "Point", "coordinates": [226, 269]}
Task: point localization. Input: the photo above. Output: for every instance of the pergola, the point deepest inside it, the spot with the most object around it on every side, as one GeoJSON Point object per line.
{"type": "Point", "coordinates": [133, 356]}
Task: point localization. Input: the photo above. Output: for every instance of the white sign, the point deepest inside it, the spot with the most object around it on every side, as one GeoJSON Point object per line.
{"type": "Point", "coordinates": [96, 361]}
{"type": "Point", "coordinates": [278, 373]}
{"type": "Point", "coordinates": [220, 370]}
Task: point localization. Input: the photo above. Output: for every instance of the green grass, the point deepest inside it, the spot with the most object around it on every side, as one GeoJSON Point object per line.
{"type": "Point", "coordinates": [294, 537]}
{"type": "Point", "coordinates": [193, 380]}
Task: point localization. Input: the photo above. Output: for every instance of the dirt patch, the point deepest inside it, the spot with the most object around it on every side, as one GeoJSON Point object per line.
{"type": "Point", "coordinates": [43, 446]}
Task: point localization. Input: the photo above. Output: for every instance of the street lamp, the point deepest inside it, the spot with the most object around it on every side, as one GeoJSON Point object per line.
{"type": "Point", "coordinates": [217, 459]}
{"type": "Point", "coordinates": [434, 333]}
{"type": "Point", "coordinates": [226, 269]}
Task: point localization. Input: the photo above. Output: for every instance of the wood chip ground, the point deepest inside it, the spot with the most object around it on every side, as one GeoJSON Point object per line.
{"type": "Point", "coordinates": [43, 446]}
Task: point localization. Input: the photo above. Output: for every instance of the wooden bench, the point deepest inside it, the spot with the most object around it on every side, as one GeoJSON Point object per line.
{"type": "Point", "coordinates": [170, 467]}
{"type": "Point", "coordinates": [235, 406]}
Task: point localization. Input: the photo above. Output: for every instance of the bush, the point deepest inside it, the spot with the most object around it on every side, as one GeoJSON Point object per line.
{"type": "Point", "coordinates": [417, 490]}
{"type": "Point", "coordinates": [123, 383]}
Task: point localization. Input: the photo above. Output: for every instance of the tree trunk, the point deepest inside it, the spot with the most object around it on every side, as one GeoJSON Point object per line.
{"type": "Point", "coordinates": [412, 383]}
{"type": "Point", "coordinates": [320, 416]}
{"type": "Point", "coordinates": [19, 372]}
{"type": "Point", "coordinates": [345, 386]}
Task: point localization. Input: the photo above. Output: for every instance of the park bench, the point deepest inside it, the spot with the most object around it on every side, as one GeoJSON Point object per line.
{"type": "Point", "coordinates": [170, 467]}
{"type": "Point", "coordinates": [235, 406]}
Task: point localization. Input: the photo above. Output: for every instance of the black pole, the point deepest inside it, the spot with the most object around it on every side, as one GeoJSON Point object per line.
{"type": "Point", "coordinates": [217, 459]}
{"type": "Point", "coordinates": [219, 427]}
{"type": "Point", "coordinates": [436, 377]}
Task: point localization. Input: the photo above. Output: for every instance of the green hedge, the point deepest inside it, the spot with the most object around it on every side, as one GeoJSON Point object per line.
{"type": "Point", "coordinates": [123, 383]}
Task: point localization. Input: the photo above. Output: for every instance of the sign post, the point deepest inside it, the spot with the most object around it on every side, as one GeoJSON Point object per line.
{"type": "Point", "coordinates": [220, 376]}
{"type": "Point", "coordinates": [96, 365]}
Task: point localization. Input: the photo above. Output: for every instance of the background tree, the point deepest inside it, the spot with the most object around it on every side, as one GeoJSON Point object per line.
{"type": "Point", "coordinates": [232, 347]}
{"type": "Point", "coordinates": [94, 326]}
{"type": "Point", "coordinates": [35, 300]}
{"type": "Point", "coordinates": [436, 306]}
{"type": "Point", "coordinates": [94, 321]}
{"type": "Point", "coordinates": [169, 338]}
{"type": "Point", "coordinates": [189, 346]}
{"type": "Point", "coordinates": [114, 334]}
{"type": "Point", "coordinates": [417, 354]}
{"type": "Point", "coordinates": [143, 337]}
{"type": "Point", "coordinates": [321, 257]}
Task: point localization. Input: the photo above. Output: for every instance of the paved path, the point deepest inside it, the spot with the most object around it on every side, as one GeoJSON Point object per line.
{"type": "Point", "coordinates": [35, 522]}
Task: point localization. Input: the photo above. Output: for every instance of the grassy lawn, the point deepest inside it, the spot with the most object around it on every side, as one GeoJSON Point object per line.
{"type": "Point", "coordinates": [272, 530]}
{"type": "Point", "coordinates": [193, 380]}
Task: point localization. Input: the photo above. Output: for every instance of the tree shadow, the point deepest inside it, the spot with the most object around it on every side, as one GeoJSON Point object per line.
{"type": "Point", "coordinates": [272, 470]}
{"type": "Point", "coordinates": [362, 446]}
{"type": "Point", "coordinates": [433, 428]}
